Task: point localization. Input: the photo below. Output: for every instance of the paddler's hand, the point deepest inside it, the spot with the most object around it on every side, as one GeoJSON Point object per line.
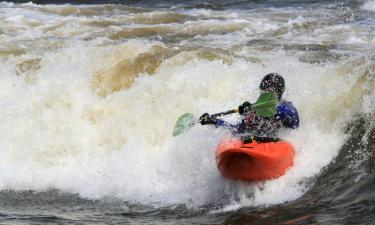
{"type": "Point", "coordinates": [244, 108]}
{"type": "Point", "coordinates": [206, 119]}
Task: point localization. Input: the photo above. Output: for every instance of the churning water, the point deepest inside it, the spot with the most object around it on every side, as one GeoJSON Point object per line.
{"type": "Point", "coordinates": [89, 95]}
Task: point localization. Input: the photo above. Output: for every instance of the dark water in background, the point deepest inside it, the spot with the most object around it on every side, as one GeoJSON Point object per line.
{"type": "Point", "coordinates": [342, 192]}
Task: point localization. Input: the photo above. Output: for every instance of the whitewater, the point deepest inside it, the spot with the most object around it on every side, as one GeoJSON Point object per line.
{"type": "Point", "coordinates": [90, 95]}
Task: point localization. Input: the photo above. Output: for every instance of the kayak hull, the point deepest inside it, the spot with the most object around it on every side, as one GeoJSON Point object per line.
{"type": "Point", "coordinates": [253, 161]}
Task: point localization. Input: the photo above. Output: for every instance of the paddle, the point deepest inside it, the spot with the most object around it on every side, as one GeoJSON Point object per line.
{"type": "Point", "coordinates": [264, 106]}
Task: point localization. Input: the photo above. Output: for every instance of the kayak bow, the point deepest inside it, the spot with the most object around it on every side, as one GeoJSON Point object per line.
{"type": "Point", "coordinates": [253, 161]}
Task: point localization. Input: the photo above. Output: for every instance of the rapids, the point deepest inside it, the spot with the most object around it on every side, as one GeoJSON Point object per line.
{"type": "Point", "coordinates": [90, 94]}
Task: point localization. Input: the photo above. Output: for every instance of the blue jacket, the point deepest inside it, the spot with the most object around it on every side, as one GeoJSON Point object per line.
{"type": "Point", "coordinates": [254, 125]}
{"type": "Point", "coordinates": [288, 115]}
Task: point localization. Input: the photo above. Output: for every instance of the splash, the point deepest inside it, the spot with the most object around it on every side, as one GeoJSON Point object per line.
{"type": "Point", "coordinates": [369, 5]}
{"type": "Point", "coordinates": [89, 107]}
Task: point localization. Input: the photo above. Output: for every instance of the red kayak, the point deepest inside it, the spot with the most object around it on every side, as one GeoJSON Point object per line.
{"type": "Point", "coordinates": [253, 161]}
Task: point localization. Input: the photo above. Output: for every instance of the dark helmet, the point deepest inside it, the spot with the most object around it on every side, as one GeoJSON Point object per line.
{"type": "Point", "coordinates": [273, 82]}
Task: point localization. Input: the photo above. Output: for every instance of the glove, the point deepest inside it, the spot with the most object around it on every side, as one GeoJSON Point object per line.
{"type": "Point", "coordinates": [206, 119]}
{"type": "Point", "coordinates": [244, 108]}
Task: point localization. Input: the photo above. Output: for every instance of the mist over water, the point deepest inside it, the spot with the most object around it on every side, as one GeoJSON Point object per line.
{"type": "Point", "coordinates": [90, 94]}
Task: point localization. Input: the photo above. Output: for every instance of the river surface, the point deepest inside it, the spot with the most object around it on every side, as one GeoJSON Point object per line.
{"type": "Point", "coordinates": [90, 92]}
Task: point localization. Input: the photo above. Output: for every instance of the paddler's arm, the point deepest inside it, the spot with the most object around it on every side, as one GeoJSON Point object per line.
{"type": "Point", "coordinates": [288, 115]}
{"type": "Point", "coordinates": [206, 119]}
{"type": "Point", "coordinates": [225, 124]}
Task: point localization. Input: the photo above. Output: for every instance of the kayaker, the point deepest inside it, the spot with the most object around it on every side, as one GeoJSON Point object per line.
{"type": "Point", "coordinates": [255, 127]}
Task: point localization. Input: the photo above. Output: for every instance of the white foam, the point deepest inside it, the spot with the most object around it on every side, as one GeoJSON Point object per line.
{"type": "Point", "coordinates": [57, 132]}
{"type": "Point", "coordinates": [369, 5]}
{"type": "Point", "coordinates": [47, 142]}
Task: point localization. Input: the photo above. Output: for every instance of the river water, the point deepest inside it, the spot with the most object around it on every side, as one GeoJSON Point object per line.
{"type": "Point", "coordinates": [89, 95]}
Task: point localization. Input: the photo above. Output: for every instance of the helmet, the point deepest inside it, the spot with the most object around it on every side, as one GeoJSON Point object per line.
{"type": "Point", "coordinates": [273, 82]}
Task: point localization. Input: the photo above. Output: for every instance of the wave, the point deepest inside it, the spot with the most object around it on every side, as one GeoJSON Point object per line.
{"type": "Point", "coordinates": [91, 111]}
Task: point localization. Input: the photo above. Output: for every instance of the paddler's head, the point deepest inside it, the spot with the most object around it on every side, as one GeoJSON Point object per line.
{"type": "Point", "coordinates": [273, 82]}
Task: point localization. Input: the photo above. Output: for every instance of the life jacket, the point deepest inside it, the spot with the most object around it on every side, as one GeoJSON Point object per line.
{"type": "Point", "coordinates": [259, 126]}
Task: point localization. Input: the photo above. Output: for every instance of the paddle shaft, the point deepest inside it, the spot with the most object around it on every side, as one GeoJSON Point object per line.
{"type": "Point", "coordinates": [224, 113]}
{"type": "Point", "coordinates": [259, 104]}
{"type": "Point", "coordinates": [264, 106]}
{"type": "Point", "coordinates": [236, 110]}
